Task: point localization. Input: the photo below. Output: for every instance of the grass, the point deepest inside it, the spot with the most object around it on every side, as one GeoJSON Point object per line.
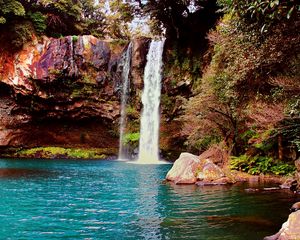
{"type": "Point", "coordinates": [70, 153]}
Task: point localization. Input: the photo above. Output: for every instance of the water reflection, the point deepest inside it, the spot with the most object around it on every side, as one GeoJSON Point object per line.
{"type": "Point", "coordinates": [148, 206]}
{"type": "Point", "coordinates": [22, 173]}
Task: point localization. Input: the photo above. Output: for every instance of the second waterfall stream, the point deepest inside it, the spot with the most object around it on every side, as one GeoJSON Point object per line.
{"type": "Point", "coordinates": [150, 118]}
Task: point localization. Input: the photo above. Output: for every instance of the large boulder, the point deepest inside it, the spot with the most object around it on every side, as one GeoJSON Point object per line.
{"type": "Point", "coordinates": [189, 169]}
{"type": "Point", "coordinates": [184, 170]}
{"type": "Point", "coordinates": [290, 229]}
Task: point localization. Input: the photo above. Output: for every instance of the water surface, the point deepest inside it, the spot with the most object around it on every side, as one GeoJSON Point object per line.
{"type": "Point", "coordinates": [64, 199]}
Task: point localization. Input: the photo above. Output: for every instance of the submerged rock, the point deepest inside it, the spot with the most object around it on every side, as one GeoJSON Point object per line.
{"type": "Point", "coordinates": [290, 229]}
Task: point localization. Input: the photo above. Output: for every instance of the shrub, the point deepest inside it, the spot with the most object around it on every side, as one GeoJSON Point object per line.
{"type": "Point", "coordinates": [20, 33]}
{"type": "Point", "coordinates": [39, 21]}
{"type": "Point", "coordinates": [131, 138]}
{"type": "Point", "coordinates": [260, 164]}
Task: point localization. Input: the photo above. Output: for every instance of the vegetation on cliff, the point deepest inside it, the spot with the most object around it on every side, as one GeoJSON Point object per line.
{"type": "Point", "coordinates": [20, 20]}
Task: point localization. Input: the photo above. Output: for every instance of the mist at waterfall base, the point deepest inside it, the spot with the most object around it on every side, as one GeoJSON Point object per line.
{"type": "Point", "coordinates": [82, 199]}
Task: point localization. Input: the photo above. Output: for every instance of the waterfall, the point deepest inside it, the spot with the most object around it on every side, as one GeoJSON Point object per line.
{"type": "Point", "coordinates": [149, 133]}
{"type": "Point", "coordinates": [125, 91]}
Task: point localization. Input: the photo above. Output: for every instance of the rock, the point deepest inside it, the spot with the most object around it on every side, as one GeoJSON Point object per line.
{"type": "Point", "coordinates": [295, 207]}
{"type": "Point", "coordinates": [63, 91]}
{"type": "Point", "coordinates": [189, 169]}
{"type": "Point", "coordinates": [290, 229]}
{"type": "Point", "coordinates": [207, 170]}
{"type": "Point", "coordinates": [288, 184]}
{"type": "Point", "coordinates": [139, 54]}
{"type": "Point", "coordinates": [216, 154]}
{"type": "Point", "coordinates": [184, 169]}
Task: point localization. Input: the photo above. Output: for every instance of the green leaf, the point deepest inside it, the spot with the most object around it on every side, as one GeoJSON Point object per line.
{"type": "Point", "coordinates": [290, 13]}
{"type": "Point", "coordinates": [2, 20]}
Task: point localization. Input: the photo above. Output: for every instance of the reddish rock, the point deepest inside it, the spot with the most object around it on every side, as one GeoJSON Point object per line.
{"type": "Point", "coordinates": [139, 54]}
{"type": "Point", "coordinates": [62, 92]}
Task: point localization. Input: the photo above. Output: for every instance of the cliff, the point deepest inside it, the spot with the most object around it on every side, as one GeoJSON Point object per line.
{"type": "Point", "coordinates": [64, 92]}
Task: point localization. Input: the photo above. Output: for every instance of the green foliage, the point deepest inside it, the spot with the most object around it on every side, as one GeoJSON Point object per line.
{"type": "Point", "coordinates": [53, 18]}
{"type": "Point", "coordinates": [74, 39]}
{"type": "Point", "coordinates": [132, 112]}
{"type": "Point", "coordinates": [204, 143]}
{"type": "Point", "coordinates": [2, 20]}
{"type": "Point", "coordinates": [167, 102]}
{"type": "Point", "coordinates": [290, 130]}
{"type": "Point", "coordinates": [82, 91]}
{"type": "Point", "coordinates": [20, 34]}
{"type": "Point", "coordinates": [293, 107]}
{"type": "Point", "coordinates": [263, 13]}
{"type": "Point", "coordinates": [118, 18]}
{"type": "Point", "coordinates": [131, 138]}
{"type": "Point", "coordinates": [59, 152]}
{"type": "Point", "coordinates": [259, 164]}
{"type": "Point", "coordinates": [179, 18]}
{"type": "Point", "coordinates": [10, 8]}
{"type": "Point", "coordinates": [39, 21]}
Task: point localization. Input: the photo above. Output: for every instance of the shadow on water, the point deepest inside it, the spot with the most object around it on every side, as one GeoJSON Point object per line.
{"type": "Point", "coordinates": [16, 173]}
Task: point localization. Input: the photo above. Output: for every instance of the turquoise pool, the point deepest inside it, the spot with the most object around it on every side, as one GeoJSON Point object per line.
{"type": "Point", "coordinates": [65, 199]}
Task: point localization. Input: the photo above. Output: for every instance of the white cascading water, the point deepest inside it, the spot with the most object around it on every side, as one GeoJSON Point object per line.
{"type": "Point", "coordinates": [149, 131]}
{"type": "Point", "coordinates": [125, 92]}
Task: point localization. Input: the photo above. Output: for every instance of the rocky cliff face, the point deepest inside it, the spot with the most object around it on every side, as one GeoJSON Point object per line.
{"type": "Point", "coordinates": [63, 92]}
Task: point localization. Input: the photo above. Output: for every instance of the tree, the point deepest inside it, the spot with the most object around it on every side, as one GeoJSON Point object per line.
{"type": "Point", "coordinates": [10, 9]}
{"type": "Point", "coordinates": [118, 17]}
{"type": "Point", "coordinates": [20, 19]}
{"type": "Point", "coordinates": [263, 13]}
{"type": "Point", "coordinates": [184, 20]}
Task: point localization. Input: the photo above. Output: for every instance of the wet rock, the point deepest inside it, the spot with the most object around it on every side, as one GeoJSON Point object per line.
{"type": "Point", "coordinates": [290, 230]}
{"type": "Point", "coordinates": [139, 54]}
{"type": "Point", "coordinates": [289, 184]}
